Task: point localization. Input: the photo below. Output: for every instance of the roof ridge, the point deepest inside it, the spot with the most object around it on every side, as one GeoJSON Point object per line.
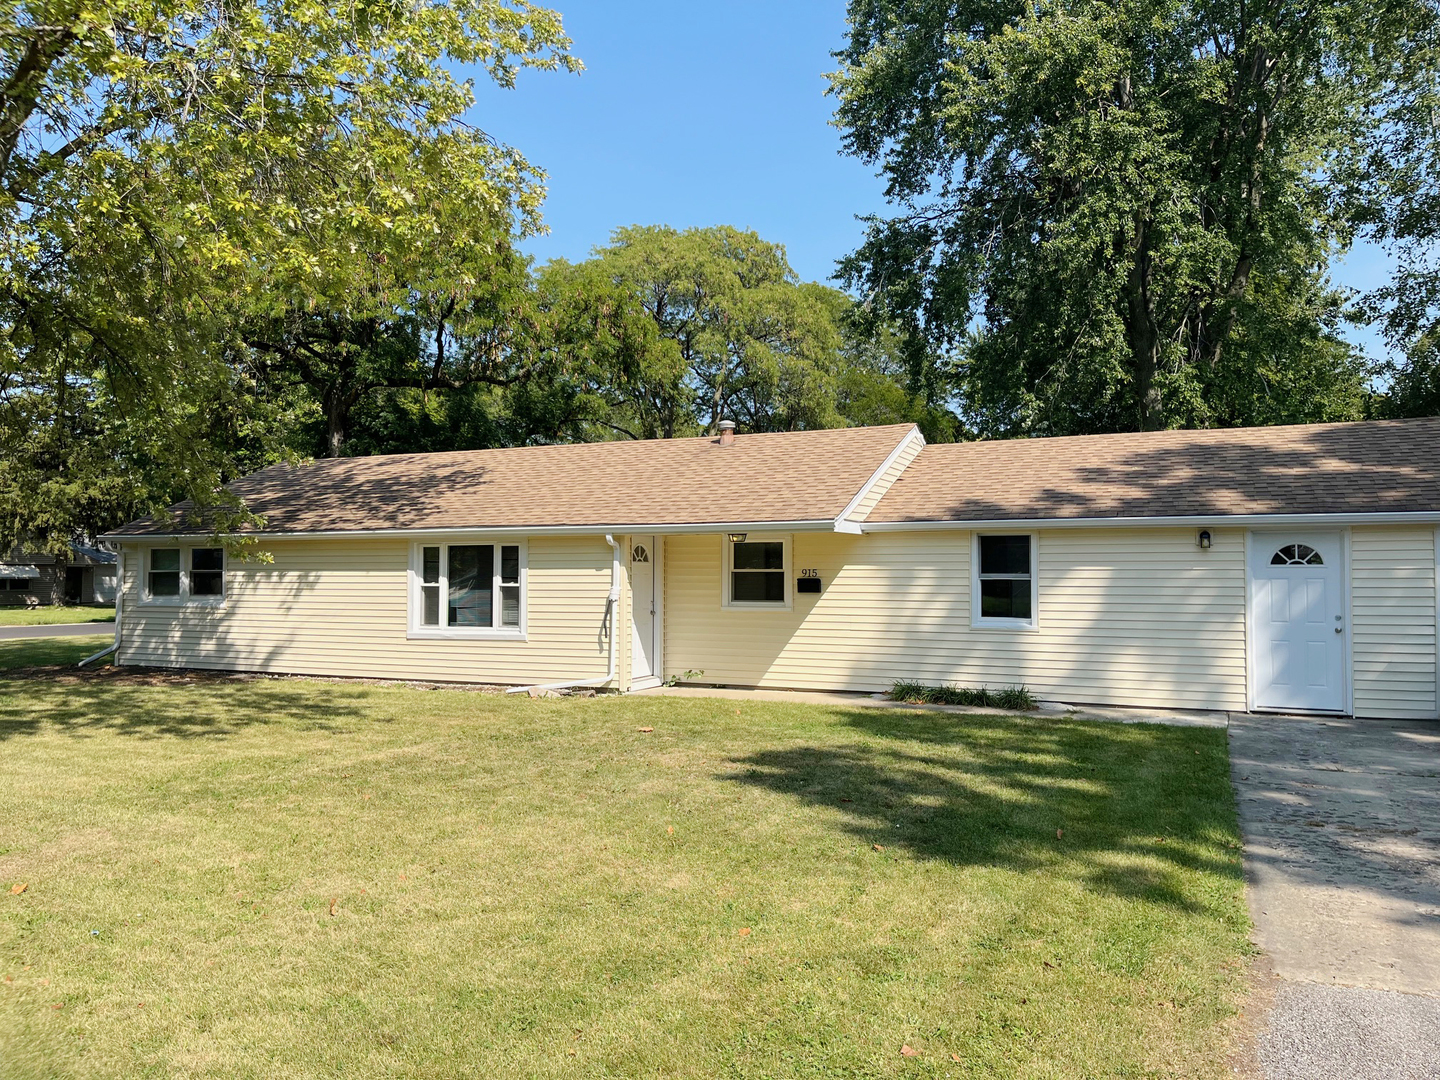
{"type": "Point", "coordinates": [670, 441]}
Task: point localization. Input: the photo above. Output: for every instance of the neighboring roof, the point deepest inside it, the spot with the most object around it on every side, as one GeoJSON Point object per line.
{"type": "Point", "coordinates": [93, 555]}
{"type": "Point", "coordinates": [1390, 466]}
{"type": "Point", "coordinates": [773, 477]}
{"type": "Point", "coordinates": [80, 555]}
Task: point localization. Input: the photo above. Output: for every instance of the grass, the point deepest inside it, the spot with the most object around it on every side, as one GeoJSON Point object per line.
{"type": "Point", "coordinates": [261, 878]}
{"type": "Point", "coordinates": [49, 616]}
{"type": "Point", "coordinates": [62, 651]}
{"type": "Point", "coordinates": [1017, 698]}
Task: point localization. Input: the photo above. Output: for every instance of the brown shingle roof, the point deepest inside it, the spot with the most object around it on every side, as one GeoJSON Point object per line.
{"type": "Point", "coordinates": [1388, 466]}
{"type": "Point", "coordinates": [792, 476]}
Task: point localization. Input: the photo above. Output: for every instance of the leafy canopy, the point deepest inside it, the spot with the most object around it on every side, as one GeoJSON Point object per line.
{"type": "Point", "coordinates": [1118, 215]}
{"type": "Point", "coordinates": [172, 171]}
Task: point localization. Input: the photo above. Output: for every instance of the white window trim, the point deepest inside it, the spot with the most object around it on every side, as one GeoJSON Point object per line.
{"type": "Point", "coordinates": [184, 599]}
{"type": "Point", "coordinates": [417, 630]}
{"type": "Point", "coordinates": [980, 622]}
{"type": "Point", "coordinates": [727, 566]}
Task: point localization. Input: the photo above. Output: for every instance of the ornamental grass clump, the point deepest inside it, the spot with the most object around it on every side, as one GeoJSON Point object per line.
{"type": "Point", "coordinates": [1007, 697]}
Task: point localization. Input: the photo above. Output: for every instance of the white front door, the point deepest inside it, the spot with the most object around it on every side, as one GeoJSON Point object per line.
{"type": "Point", "coordinates": [1297, 605]}
{"type": "Point", "coordinates": [644, 618]}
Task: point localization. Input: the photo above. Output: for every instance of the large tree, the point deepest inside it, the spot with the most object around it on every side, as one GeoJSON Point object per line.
{"type": "Point", "coordinates": [1408, 306]}
{"type": "Point", "coordinates": [173, 175]}
{"type": "Point", "coordinates": [1119, 215]}
{"type": "Point", "coordinates": [736, 335]}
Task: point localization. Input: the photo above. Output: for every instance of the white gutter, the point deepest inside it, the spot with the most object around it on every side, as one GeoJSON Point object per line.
{"type": "Point", "coordinates": [119, 597]}
{"type": "Point", "coordinates": [842, 525]}
{"type": "Point", "coordinates": [1212, 520]}
{"type": "Point", "coordinates": [610, 605]}
{"type": "Point", "coordinates": [805, 525]}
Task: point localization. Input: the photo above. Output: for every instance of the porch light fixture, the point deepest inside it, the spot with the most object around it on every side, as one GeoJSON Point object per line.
{"type": "Point", "coordinates": [1204, 539]}
{"type": "Point", "coordinates": [736, 538]}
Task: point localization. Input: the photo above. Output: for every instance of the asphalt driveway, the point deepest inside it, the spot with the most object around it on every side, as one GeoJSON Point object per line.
{"type": "Point", "coordinates": [15, 633]}
{"type": "Point", "coordinates": [1342, 857]}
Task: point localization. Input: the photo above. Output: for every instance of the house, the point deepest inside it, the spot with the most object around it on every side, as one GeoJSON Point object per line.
{"type": "Point", "coordinates": [86, 576]}
{"type": "Point", "coordinates": [1285, 568]}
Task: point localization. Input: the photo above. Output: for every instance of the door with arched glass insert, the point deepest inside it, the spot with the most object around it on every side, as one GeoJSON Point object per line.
{"type": "Point", "coordinates": [1297, 621]}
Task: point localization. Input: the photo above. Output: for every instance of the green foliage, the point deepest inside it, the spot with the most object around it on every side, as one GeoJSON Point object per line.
{"type": "Point", "coordinates": [1114, 216]}
{"type": "Point", "coordinates": [710, 324]}
{"type": "Point", "coordinates": [174, 175]}
{"type": "Point", "coordinates": [1008, 697]}
{"type": "Point", "coordinates": [658, 335]}
{"type": "Point", "coordinates": [736, 335]}
{"type": "Point", "coordinates": [1408, 307]}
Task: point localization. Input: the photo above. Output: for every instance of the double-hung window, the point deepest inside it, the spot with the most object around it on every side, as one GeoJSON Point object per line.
{"type": "Point", "coordinates": [1003, 588]}
{"type": "Point", "coordinates": [176, 575]}
{"type": "Point", "coordinates": [468, 590]}
{"type": "Point", "coordinates": [757, 572]}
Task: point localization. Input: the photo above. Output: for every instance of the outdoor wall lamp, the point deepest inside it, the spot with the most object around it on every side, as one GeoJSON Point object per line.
{"type": "Point", "coordinates": [736, 538]}
{"type": "Point", "coordinates": [1204, 539]}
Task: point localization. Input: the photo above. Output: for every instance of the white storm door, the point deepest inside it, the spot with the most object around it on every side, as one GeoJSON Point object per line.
{"type": "Point", "coordinates": [1297, 604]}
{"type": "Point", "coordinates": [644, 650]}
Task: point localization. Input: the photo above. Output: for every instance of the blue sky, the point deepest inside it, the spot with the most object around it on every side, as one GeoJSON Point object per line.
{"type": "Point", "coordinates": [691, 114]}
{"type": "Point", "coordinates": [705, 114]}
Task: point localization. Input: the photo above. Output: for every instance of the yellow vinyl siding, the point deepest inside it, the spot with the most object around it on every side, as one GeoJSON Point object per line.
{"type": "Point", "coordinates": [1126, 616]}
{"type": "Point", "coordinates": [338, 607]}
{"type": "Point", "coordinates": [913, 446]}
{"type": "Point", "coordinates": [1392, 599]}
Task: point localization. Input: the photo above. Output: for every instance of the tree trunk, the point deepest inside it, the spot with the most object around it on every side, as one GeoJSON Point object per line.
{"type": "Point", "coordinates": [1143, 333]}
{"type": "Point", "coordinates": [338, 401]}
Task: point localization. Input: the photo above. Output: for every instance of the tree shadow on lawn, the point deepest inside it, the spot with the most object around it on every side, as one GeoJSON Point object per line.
{"type": "Point", "coordinates": [190, 705]}
{"type": "Point", "coordinates": [993, 791]}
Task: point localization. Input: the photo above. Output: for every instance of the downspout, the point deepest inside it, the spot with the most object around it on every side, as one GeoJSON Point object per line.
{"type": "Point", "coordinates": [609, 623]}
{"type": "Point", "coordinates": [119, 597]}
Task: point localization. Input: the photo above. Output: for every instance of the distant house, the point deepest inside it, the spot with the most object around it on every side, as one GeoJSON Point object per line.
{"type": "Point", "coordinates": [1288, 568]}
{"type": "Point", "coordinates": [87, 576]}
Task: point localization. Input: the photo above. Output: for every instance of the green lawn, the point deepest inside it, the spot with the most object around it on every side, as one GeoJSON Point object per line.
{"type": "Point", "coordinates": [49, 616]}
{"type": "Point", "coordinates": [262, 878]}
{"type": "Point", "coordinates": [31, 652]}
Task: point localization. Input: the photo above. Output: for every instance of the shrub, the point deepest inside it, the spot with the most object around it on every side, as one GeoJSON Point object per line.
{"type": "Point", "coordinates": [1008, 697]}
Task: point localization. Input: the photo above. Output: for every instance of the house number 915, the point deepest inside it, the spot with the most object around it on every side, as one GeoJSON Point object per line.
{"type": "Point", "coordinates": [810, 573]}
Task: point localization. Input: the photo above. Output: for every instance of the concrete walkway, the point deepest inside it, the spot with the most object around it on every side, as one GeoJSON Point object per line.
{"type": "Point", "coordinates": [16, 633]}
{"type": "Point", "coordinates": [1341, 820]}
{"type": "Point", "coordinates": [1174, 717]}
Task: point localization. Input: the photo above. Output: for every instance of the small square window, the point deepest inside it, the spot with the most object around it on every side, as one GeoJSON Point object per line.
{"type": "Point", "coordinates": [1004, 580]}
{"type": "Point", "coordinates": [164, 579]}
{"type": "Point", "coordinates": [757, 572]}
{"type": "Point", "coordinates": [207, 572]}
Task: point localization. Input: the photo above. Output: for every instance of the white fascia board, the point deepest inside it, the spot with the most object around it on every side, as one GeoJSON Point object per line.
{"type": "Point", "coordinates": [1252, 521]}
{"type": "Point", "coordinates": [842, 522]}
{"type": "Point", "coordinates": [810, 525]}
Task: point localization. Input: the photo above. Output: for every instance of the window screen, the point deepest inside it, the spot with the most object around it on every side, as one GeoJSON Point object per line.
{"type": "Point", "coordinates": [430, 586]}
{"type": "Point", "coordinates": [757, 572]}
{"type": "Point", "coordinates": [164, 578]}
{"type": "Point", "coordinates": [1005, 582]}
{"type": "Point", "coordinates": [509, 585]}
{"type": "Point", "coordinates": [471, 573]}
{"type": "Point", "coordinates": [207, 572]}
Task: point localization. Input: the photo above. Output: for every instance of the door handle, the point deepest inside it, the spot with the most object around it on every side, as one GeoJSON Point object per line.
{"type": "Point", "coordinates": [1339, 630]}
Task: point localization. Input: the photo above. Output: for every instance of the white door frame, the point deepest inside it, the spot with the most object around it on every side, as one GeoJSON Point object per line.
{"type": "Point", "coordinates": [1253, 537]}
{"type": "Point", "coordinates": [656, 543]}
